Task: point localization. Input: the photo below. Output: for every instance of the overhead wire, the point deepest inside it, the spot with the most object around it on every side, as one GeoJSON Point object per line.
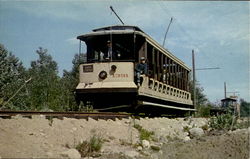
{"type": "Point", "coordinates": [191, 41]}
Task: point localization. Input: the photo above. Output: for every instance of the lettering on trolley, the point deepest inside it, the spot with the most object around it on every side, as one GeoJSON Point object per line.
{"type": "Point", "coordinates": [120, 75]}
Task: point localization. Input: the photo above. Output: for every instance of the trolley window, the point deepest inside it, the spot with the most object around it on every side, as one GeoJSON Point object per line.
{"type": "Point", "coordinates": [116, 47]}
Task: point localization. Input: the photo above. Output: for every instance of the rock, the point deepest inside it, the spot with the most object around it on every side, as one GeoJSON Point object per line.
{"type": "Point", "coordinates": [71, 153]}
{"type": "Point", "coordinates": [155, 147]}
{"type": "Point", "coordinates": [42, 134]}
{"type": "Point", "coordinates": [131, 154]}
{"type": "Point", "coordinates": [187, 138]}
{"type": "Point", "coordinates": [50, 155]}
{"type": "Point", "coordinates": [139, 148]}
{"type": "Point", "coordinates": [154, 156]}
{"type": "Point", "coordinates": [88, 158]}
{"type": "Point", "coordinates": [202, 123]}
{"type": "Point", "coordinates": [185, 133]}
{"type": "Point", "coordinates": [145, 144]}
{"type": "Point", "coordinates": [111, 137]}
{"type": "Point", "coordinates": [196, 132]}
{"type": "Point", "coordinates": [162, 139]}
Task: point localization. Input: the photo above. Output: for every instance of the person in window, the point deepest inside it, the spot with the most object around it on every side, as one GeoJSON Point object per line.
{"type": "Point", "coordinates": [109, 54]}
{"type": "Point", "coordinates": [140, 69]}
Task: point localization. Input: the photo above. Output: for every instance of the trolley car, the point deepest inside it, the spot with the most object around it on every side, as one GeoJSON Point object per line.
{"type": "Point", "coordinates": [108, 81]}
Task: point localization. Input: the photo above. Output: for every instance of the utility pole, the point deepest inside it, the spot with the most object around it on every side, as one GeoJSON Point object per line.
{"type": "Point", "coordinates": [194, 83]}
{"type": "Point", "coordinates": [194, 78]}
{"type": "Point", "coordinates": [225, 90]}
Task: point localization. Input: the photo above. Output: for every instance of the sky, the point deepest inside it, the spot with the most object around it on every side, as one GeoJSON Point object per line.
{"type": "Point", "coordinates": [218, 32]}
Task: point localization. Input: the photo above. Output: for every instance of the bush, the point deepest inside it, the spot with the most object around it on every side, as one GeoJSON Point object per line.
{"type": "Point", "coordinates": [96, 143]}
{"type": "Point", "coordinates": [89, 148]}
{"type": "Point", "coordinates": [221, 122]}
{"type": "Point", "coordinates": [203, 111]}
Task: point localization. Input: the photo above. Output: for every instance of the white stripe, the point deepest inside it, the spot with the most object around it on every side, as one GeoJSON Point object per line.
{"type": "Point", "coordinates": [167, 106]}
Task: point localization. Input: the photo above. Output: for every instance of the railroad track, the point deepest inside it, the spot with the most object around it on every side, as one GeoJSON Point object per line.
{"type": "Point", "coordinates": [60, 115]}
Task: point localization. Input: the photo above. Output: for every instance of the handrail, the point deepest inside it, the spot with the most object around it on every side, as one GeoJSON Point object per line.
{"type": "Point", "coordinates": [157, 86]}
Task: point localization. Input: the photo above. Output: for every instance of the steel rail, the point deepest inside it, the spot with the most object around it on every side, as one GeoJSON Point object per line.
{"type": "Point", "coordinates": [85, 115]}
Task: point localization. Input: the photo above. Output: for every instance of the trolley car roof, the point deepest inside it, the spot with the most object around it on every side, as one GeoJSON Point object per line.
{"type": "Point", "coordinates": [126, 29]}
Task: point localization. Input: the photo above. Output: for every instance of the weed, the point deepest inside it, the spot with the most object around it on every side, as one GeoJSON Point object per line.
{"type": "Point", "coordinates": [226, 122]}
{"type": "Point", "coordinates": [84, 148]}
{"type": "Point", "coordinates": [205, 127]}
{"type": "Point", "coordinates": [50, 118]}
{"type": "Point", "coordinates": [242, 125]}
{"type": "Point", "coordinates": [96, 143]}
{"type": "Point", "coordinates": [144, 134]}
{"type": "Point", "coordinates": [88, 148]}
{"type": "Point", "coordinates": [186, 128]}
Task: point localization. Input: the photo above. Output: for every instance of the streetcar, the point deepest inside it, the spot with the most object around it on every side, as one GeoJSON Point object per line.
{"type": "Point", "coordinates": [108, 79]}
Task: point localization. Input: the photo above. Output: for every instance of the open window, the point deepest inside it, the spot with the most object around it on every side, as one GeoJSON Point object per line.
{"type": "Point", "coordinates": [112, 47]}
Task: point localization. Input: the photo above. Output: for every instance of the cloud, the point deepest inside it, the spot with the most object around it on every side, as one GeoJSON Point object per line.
{"type": "Point", "coordinates": [73, 41]}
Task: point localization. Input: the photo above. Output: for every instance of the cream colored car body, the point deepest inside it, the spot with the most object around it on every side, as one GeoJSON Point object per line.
{"type": "Point", "coordinates": [121, 77]}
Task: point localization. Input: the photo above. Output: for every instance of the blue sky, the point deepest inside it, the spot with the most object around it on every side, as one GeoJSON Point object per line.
{"type": "Point", "coordinates": [218, 31]}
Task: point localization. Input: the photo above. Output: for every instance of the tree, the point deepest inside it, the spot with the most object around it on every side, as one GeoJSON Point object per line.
{"type": "Point", "coordinates": [12, 77]}
{"type": "Point", "coordinates": [244, 108]}
{"type": "Point", "coordinates": [69, 82]}
{"type": "Point", "coordinates": [203, 106]}
{"type": "Point", "coordinates": [200, 96]}
{"type": "Point", "coordinates": [45, 86]}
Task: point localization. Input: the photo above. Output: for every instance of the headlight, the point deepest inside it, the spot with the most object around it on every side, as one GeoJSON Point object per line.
{"type": "Point", "coordinates": [103, 75]}
{"type": "Point", "coordinates": [113, 68]}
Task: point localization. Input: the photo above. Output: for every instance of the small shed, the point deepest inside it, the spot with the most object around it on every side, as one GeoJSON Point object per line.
{"type": "Point", "coordinates": [228, 103]}
{"type": "Point", "coordinates": [231, 104]}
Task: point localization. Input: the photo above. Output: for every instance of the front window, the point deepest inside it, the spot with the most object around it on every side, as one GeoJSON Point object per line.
{"type": "Point", "coordinates": [110, 47]}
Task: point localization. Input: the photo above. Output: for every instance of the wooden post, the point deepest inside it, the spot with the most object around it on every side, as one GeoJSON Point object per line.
{"type": "Point", "coordinates": [194, 83]}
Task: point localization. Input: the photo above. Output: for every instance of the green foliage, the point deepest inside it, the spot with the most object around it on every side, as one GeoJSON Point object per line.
{"type": "Point", "coordinates": [12, 77]}
{"type": "Point", "coordinates": [221, 122]}
{"type": "Point", "coordinates": [96, 143]}
{"type": "Point", "coordinates": [46, 91]}
{"type": "Point", "coordinates": [227, 122]}
{"type": "Point", "coordinates": [45, 87]}
{"type": "Point", "coordinates": [186, 129]}
{"type": "Point", "coordinates": [205, 127]}
{"type": "Point", "coordinates": [88, 148]}
{"type": "Point", "coordinates": [69, 82]}
{"type": "Point", "coordinates": [200, 96]}
{"type": "Point", "coordinates": [244, 108]}
{"type": "Point", "coordinates": [203, 110]}
{"type": "Point", "coordinates": [144, 134]}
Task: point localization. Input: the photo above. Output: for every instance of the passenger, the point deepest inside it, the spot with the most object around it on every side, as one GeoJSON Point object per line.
{"type": "Point", "coordinates": [101, 56]}
{"type": "Point", "coordinates": [109, 51]}
{"type": "Point", "coordinates": [140, 69]}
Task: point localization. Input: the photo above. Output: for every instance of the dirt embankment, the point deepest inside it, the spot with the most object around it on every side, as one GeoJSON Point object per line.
{"type": "Point", "coordinates": [42, 138]}
{"type": "Point", "coordinates": [233, 145]}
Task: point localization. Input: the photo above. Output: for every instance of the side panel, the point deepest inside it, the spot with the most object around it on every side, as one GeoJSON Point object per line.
{"type": "Point", "coordinates": [118, 75]}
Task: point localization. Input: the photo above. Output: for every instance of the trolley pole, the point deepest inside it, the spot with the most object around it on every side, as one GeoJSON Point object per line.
{"type": "Point", "coordinates": [194, 83]}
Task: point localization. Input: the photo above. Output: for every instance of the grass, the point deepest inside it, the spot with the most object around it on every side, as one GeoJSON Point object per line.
{"type": "Point", "coordinates": [144, 134]}
{"type": "Point", "coordinates": [89, 148]}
